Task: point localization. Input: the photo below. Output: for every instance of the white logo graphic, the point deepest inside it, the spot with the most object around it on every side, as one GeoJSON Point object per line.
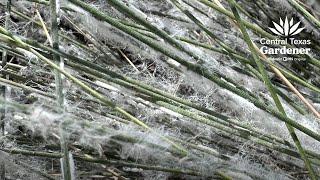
{"type": "Point", "coordinates": [286, 28]}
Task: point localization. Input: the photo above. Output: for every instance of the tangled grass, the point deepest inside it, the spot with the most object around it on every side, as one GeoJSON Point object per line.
{"type": "Point", "coordinates": [174, 89]}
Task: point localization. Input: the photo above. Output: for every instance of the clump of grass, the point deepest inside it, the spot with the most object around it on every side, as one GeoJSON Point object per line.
{"type": "Point", "coordinates": [112, 116]}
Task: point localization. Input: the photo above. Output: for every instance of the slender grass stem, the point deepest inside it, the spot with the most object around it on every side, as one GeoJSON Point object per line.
{"type": "Point", "coordinates": [196, 8]}
{"type": "Point", "coordinates": [168, 16]}
{"type": "Point", "coordinates": [45, 29]}
{"type": "Point", "coordinates": [305, 13]}
{"type": "Point", "coordinates": [30, 89]}
{"type": "Point", "coordinates": [88, 158]}
{"type": "Point", "coordinates": [65, 160]}
{"type": "Point", "coordinates": [44, 2]}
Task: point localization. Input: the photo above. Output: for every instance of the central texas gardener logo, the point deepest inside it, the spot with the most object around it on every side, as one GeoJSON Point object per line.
{"type": "Point", "coordinates": [286, 28]}
{"type": "Point", "coordinates": [285, 46]}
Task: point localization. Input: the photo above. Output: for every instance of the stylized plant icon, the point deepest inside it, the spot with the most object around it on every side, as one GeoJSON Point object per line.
{"type": "Point", "coordinates": [285, 28]}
